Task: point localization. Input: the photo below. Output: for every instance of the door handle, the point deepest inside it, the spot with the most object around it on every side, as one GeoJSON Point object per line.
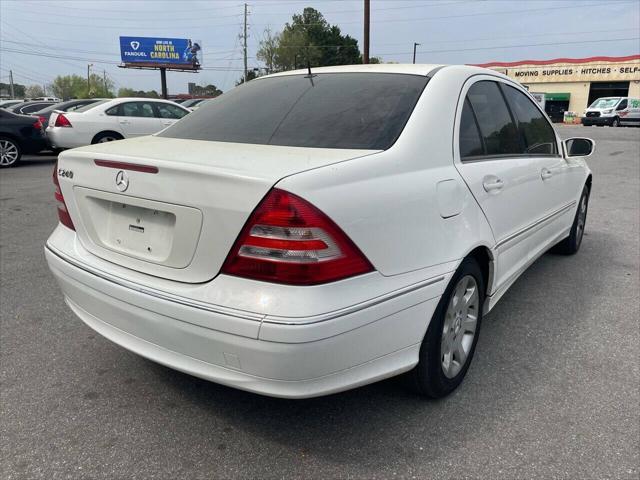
{"type": "Point", "coordinates": [546, 173]}
{"type": "Point", "coordinates": [124, 122]}
{"type": "Point", "coordinates": [167, 123]}
{"type": "Point", "coordinates": [492, 184]}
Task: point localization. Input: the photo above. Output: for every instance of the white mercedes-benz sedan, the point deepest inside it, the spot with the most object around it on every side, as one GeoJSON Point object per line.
{"type": "Point", "coordinates": [110, 120]}
{"type": "Point", "coordinates": [310, 232]}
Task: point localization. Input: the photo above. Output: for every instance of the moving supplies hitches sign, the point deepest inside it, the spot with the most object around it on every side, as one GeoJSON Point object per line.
{"type": "Point", "coordinates": [182, 53]}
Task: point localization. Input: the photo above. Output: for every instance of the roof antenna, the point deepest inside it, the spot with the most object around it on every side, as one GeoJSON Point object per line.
{"type": "Point", "coordinates": [309, 75]}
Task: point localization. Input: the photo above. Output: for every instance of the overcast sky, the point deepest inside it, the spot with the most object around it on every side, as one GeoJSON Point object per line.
{"type": "Point", "coordinates": [449, 31]}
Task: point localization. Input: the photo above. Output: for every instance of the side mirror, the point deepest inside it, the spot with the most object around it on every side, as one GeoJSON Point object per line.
{"type": "Point", "coordinates": [578, 147]}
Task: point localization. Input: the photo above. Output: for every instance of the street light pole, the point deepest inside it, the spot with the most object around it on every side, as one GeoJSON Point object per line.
{"type": "Point", "coordinates": [414, 51]}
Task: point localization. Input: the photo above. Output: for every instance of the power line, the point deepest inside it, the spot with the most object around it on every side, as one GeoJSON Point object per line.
{"type": "Point", "coordinates": [391, 20]}
{"type": "Point", "coordinates": [81, 59]}
{"type": "Point", "coordinates": [477, 14]}
{"type": "Point", "coordinates": [519, 46]}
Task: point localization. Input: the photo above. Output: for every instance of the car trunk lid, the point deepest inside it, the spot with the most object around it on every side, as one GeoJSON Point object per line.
{"type": "Point", "coordinates": [171, 207]}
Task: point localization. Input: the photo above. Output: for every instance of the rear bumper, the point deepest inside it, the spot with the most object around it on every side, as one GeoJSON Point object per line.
{"type": "Point", "coordinates": [63, 137]}
{"type": "Point", "coordinates": [248, 351]}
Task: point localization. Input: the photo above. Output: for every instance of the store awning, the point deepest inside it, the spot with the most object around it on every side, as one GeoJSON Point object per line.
{"type": "Point", "coordinates": [557, 96]}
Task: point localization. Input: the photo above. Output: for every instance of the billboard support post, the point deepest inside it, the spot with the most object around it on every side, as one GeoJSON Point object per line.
{"type": "Point", "coordinates": [163, 81]}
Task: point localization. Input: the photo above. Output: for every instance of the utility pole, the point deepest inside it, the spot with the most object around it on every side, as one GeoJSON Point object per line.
{"type": "Point", "coordinates": [89, 78]}
{"type": "Point", "coordinates": [414, 51]}
{"type": "Point", "coordinates": [104, 80]}
{"type": "Point", "coordinates": [11, 83]}
{"type": "Point", "coordinates": [244, 39]}
{"type": "Point", "coordinates": [365, 56]}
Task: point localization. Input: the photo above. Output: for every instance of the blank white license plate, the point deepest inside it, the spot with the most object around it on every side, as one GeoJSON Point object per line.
{"type": "Point", "coordinates": [139, 231]}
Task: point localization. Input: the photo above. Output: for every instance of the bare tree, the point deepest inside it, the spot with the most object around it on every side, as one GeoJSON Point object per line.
{"type": "Point", "coordinates": [268, 48]}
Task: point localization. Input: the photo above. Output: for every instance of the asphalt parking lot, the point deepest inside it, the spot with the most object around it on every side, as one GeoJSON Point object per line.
{"type": "Point", "coordinates": [553, 391]}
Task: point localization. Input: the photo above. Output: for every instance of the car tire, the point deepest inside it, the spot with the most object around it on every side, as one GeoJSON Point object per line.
{"type": "Point", "coordinates": [571, 244]}
{"type": "Point", "coordinates": [104, 137]}
{"type": "Point", "coordinates": [615, 122]}
{"type": "Point", "coordinates": [452, 334]}
{"type": "Point", "coordinates": [10, 152]}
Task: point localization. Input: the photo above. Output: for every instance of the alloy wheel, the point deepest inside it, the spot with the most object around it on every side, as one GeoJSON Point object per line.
{"type": "Point", "coordinates": [8, 153]}
{"type": "Point", "coordinates": [107, 139]}
{"type": "Point", "coordinates": [459, 329]}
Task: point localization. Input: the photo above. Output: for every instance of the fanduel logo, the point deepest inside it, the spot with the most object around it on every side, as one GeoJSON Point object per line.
{"type": "Point", "coordinates": [135, 45]}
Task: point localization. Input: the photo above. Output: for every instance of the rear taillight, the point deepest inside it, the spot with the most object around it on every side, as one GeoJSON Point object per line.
{"type": "Point", "coordinates": [63, 213]}
{"type": "Point", "coordinates": [38, 124]}
{"type": "Point", "coordinates": [288, 240]}
{"type": "Point", "coordinates": [62, 121]}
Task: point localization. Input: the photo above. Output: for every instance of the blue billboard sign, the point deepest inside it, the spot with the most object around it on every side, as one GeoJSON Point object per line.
{"type": "Point", "coordinates": [180, 53]}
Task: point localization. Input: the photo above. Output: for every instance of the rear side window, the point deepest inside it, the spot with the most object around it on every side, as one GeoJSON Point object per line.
{"type": "Point", "coordinates": [470, 140]}
{"type": "Point", "coordinates": [498, 129]}
{"type": "Point", "coordinates": [335, 110]}
{"type": "Point", "coordinates": [537, 134]}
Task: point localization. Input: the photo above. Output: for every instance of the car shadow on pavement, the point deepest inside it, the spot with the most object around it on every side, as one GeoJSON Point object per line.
{"type": "Point", "coordinates": [37, 160]}
{"type": "Point", "coordinates": [523, 352]}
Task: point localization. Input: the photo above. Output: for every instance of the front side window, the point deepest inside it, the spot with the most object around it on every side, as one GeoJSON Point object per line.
{"type": "Point", "coordinates": [327, 110]}
{"type": "Point", "coordinates": [623, 105]}
{"type": "Point", "coordinates": [538, 135]}
{"type": "Point", "coordinates": [498, 129]}
{"type": "Point", "coordinates": [166, 110]}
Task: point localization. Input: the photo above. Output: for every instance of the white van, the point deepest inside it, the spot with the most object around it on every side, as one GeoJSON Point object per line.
{"type": "Point", "coordinates": [613, 111]}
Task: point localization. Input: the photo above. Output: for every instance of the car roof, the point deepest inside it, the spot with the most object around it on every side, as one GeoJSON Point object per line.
{"type": "Point", "coordinates": [140, 99]}
{"type": "Point", "coordinates": [404, 68]}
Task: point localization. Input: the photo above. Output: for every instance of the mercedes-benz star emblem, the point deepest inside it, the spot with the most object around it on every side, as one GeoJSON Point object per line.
{"type": "Point", "coordinates": [122, 180]}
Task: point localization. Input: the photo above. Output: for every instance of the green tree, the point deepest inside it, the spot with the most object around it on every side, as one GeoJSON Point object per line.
{"type": "Point", "coordinates": [268, 49]}
{"type": "Point", "coordinates": [101, 86]}
{"type": "Point", "coordinates": [208, 90]}
{"type": "Point", "coordinates": [251, 74]}
{"type": "Point", "coordinates": [308, 40]}
{"type": "Point", "coordinates": [130, 92]}
{"type": "Point", "coordinates": [69, 86]}
{"type": "Point", "coordinates": [34, 91]}
{"type": "Point", "coordinates": [126, 92]}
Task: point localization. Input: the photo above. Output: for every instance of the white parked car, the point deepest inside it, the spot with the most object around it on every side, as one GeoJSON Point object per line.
{"type": "Point", "coordinates": [112, 120]}
{"type": "Point", "coordinates": [307, 234]}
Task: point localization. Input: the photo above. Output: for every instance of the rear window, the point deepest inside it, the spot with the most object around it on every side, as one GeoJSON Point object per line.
{"type": "Point", "coordinates": [90, 106]}
{"type": "Point", "coordinates": [336, 110]}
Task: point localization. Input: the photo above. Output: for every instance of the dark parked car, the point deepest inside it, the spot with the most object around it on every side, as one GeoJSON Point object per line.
{"type": "Point", "coordinates": [27, 108]}
{"type": "Point", "coordinates": [9, 103]}
{"type": "Point", "coordinates": [68, 106]}
{"type": "Point", "coordinates": [19, 134]}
